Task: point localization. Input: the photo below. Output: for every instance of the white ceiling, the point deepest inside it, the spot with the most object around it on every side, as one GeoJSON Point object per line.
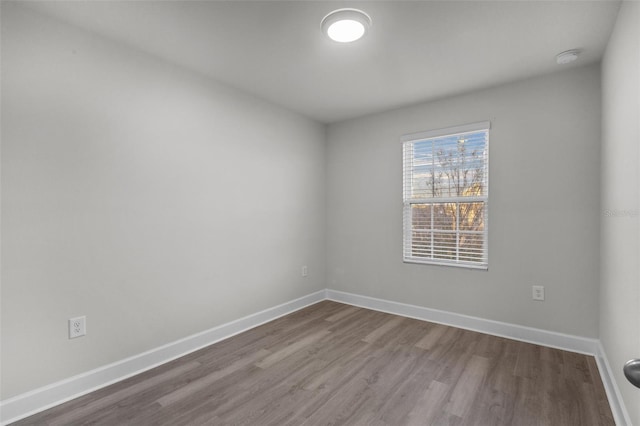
{"type": "Point", "coordinates": [416, 50]}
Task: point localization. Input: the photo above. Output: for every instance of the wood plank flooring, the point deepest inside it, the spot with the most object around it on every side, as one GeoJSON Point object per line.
{"type": "Point", "coordinates": [334, 364]}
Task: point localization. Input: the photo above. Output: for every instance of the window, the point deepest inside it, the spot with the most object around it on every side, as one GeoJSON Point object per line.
{"type": "Point", "coordinates": [445, 196]}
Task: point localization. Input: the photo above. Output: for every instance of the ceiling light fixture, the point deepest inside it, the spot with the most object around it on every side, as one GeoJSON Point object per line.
{"type": "Point", "coordinates": [345, 25]}
{"type": "Point", "coordinates": [567, 57]}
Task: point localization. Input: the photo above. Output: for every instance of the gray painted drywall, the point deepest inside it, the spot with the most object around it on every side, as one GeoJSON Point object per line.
{"type": "Point", "coordinates": [620, 254]}
{"type": "Point", "coordinates": [543, 205]}
{"type": "Point", "coordinates": [153, 201]}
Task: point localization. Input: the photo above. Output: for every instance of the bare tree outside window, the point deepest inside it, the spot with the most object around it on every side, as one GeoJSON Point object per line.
{"type": "Point", "coordinates": [445, 198]}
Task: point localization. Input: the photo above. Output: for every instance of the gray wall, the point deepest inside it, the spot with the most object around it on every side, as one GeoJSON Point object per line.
{"type": "Point", "coordinates": [153, 201]}
{"type": "Point", "coordinates": [620, 279]}
{"type": "Point", "coordinates": [543, 205]}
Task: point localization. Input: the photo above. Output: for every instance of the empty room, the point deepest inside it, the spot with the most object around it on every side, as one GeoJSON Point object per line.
{"type": "Point", "coordinates": [320, 212]}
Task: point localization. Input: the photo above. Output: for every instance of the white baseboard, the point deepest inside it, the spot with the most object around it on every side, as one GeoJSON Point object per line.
{"type": "Point", "coordinates": [512, 331]}
{"type": "Point", "coordinates": [32, 402]}
{"type": "Point", "coordinates": [620, 414]}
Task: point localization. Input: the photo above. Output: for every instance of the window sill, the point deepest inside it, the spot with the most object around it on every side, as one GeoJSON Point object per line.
{"type": "Point", "coordinates": [445, 263]}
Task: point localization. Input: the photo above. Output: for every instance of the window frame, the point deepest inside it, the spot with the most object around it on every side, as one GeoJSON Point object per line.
{"type": "Point", "coordinates": [408, 227]}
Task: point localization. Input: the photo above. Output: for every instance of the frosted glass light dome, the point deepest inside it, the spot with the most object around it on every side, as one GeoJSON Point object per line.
{"type": "Point", "coordinates": [345, 25]}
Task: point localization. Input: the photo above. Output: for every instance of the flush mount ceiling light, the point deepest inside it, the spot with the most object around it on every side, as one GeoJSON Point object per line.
{"type": "Point", "coordinates": [567, 57]}
{"type": "Point", "coordinates": [345, 25]}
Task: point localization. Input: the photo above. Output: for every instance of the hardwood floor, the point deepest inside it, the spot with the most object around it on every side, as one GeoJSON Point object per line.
{"type": "Point", "coordinates": [332, 364]}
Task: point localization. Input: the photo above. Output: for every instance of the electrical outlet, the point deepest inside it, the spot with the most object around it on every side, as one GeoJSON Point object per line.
{"type": "Point", "coordinates": [538, 292]}
{"type": "Point", "coordinates": [305, 271]}
{"type": "Point", "coordinates": [77, 327]}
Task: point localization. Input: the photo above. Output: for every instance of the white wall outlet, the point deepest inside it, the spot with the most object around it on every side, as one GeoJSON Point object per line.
{"type": "Point", "coordinates": [77, 327]}
{"type": "Point", "coordinates": [538, 292]}
{"type": "Point", "coordinates": [304, 271]}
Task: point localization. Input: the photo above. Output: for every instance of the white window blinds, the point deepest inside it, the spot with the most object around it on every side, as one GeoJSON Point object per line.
{"type": "Point", "coordinates": [445, 195]}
